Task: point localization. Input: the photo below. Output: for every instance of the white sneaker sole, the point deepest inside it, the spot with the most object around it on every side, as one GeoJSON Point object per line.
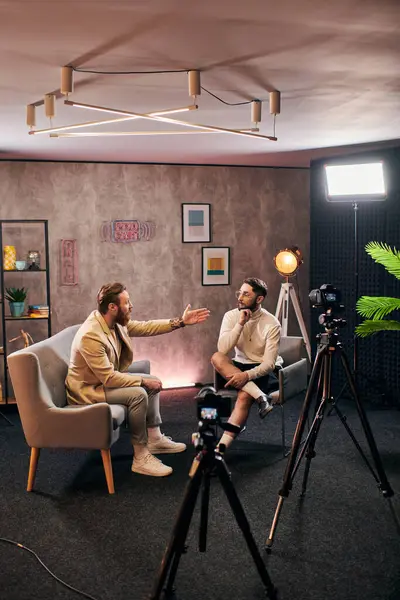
{"type": "Point", "coordinates": [165, 450]}
{"type": "Point", "coordinates": [142, 471]}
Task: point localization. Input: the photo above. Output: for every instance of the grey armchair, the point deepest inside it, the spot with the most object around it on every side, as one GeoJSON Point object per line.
{"type": "Point", "coordinates": [38, 374]}
{"type": "Point", "coordinates": [292, 378]}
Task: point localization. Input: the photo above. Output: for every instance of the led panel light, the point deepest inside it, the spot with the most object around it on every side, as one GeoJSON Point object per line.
{"type": "Point", "coordinates": [355, 182]}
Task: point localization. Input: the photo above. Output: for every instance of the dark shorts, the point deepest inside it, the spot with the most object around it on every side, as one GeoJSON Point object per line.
{"type": "Point", "coordinates": [266, 383]}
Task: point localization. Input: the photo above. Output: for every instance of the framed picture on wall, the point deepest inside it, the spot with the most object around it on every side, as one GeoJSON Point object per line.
{"type": "Point", "coordinates": [196, 222]}
{"type": "Point", "coordinates": [216, 268]}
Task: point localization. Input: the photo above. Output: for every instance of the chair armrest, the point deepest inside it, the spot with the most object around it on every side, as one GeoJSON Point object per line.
{"type": "Point", "coordinates": [140, 366]}
{"type": "Point", "coordinates": [292, 380]}
{"type": "Point", "coordinates": [87, 427]}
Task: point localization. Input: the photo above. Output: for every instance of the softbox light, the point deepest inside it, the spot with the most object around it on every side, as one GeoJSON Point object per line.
{"type": "Point", "coordinates": [355, 182]}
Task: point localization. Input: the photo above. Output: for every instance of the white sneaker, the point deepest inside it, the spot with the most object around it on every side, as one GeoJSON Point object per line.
{"type": "Point", "coordinates": [150, 465]}
{"type": "Point", "coordinates": [165, 445]}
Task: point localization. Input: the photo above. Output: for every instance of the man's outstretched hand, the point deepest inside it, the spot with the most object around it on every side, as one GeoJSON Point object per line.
{"type": "Point", "coordinates": [192, 317]}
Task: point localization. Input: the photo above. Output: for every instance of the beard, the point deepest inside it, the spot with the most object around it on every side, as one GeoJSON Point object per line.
{"type": "Point", "coordinates": [122, 318]}
{"type": "Point", "coordinates": [253, 306]}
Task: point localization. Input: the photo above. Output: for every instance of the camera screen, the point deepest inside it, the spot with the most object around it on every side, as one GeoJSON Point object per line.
{"type": "Point", "coordinates": [330, 297]}
{"type": "Point", "coordinates": [208, 413]}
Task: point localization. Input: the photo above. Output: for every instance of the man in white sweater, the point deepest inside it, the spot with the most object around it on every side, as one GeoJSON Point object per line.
{"type": "Point", "coordinates": [254, 334]}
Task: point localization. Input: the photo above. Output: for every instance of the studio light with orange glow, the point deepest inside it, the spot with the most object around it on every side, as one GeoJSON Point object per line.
{"type": "Point", "coordinates": [288, 261]}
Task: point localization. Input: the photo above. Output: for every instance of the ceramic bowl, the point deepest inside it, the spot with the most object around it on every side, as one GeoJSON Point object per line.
{"type": "Point", "coordinates": [20, 265]}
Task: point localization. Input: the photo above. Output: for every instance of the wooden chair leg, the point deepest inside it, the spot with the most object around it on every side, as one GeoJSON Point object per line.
{"type": "Point", "coordinates": [106, 456]}
{"type": "Point", "coordinates": [32, 468]}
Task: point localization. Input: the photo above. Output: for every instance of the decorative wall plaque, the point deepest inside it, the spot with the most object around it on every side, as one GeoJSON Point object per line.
{"type": "Point", "coordinates": [123, 231]}
{"type": "Point", "coordinates": [69, 262]}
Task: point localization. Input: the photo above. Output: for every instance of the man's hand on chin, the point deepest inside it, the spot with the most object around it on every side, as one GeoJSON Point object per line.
{"type": "Point", "coordinates": [238, 380]}
{"type": "Point", "coordinates": [192, 317]}
{"type": "Point", "coordinates": [151, 384]}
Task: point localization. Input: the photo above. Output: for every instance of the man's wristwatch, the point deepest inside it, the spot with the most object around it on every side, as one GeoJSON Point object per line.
{"type": "Point", "coordinates": [176, 323]}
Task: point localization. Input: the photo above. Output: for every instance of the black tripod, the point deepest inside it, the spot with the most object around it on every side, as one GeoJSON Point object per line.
{"type": "Point", "coordinates": [207, 463]}
{"type": "Point", "coordinates": [320, 381]}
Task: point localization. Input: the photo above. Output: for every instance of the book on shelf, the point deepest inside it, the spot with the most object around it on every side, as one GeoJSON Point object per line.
{"type": "Point", "coordinates": [38, 310]}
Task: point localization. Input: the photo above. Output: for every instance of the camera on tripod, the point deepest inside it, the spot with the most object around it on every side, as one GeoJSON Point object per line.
{"type": "Point", "coordinates": [211, 407]}
{"type": "Point", "coordinates": [329, 298]}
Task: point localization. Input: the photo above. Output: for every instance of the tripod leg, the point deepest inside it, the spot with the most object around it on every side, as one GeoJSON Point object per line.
{"type": "Point", "coordinates": [355, 441]}
{"type": "Point", "coordinates": [205, 500]}
{"type": "Point", "coordinates": [176, 544]}
{"type": "Point", "coordinates": [313, 424]}
{"type": "Point", "coordinates": [301, 423]}
{"type": "Point", "coordinates": [384, 485]}
{"type": "Point", "coordinates": [326, 396]}
{"type": "Point", "coordinates": [244, 525]}
{"type": "Point", "coordinates": [300, 320]}
{"type": "Point", "coordinates": [311, 445]}
{"type": "Point", "coordinates": [279, 303]}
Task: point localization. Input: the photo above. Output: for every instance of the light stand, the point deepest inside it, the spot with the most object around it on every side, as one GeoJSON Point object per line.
{"type": "Point", "coordinates": [357, 294]}
{"type": "Point", "coordinates": [286, 294]}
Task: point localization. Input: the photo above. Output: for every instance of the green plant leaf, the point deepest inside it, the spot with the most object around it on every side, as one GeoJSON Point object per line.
{"type": "Point", "coordinates": [370, 327]}
{"type": "Point", "coordinates": [16, 294]}
{"type": "Point", "coordinates": [377, 307]}
{"type": "Point", "coordinates": [384, 255]}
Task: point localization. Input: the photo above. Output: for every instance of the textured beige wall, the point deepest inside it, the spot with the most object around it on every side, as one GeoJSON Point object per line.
{"type": "Point", "coordinates": [255, 211]}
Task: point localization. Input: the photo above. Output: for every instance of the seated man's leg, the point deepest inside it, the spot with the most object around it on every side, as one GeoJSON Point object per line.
{"type": "Point", "coordinates": [226, 368]}
{"type": "Point", "coordinates": [158, 442]}
{"type": "Point", "coordinates": [136, 401]}
{"type": "Point", "coordinates": [238, 417]}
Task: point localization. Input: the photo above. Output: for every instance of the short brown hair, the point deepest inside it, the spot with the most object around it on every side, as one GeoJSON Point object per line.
{"type": "Point", "coordinates": [109, 294]}
{"type": "Point", "coordinates": [259, 286]}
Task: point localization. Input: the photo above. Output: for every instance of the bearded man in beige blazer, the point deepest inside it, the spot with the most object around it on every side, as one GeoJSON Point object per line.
{"type": "Point", "coordinates": [101, 354]}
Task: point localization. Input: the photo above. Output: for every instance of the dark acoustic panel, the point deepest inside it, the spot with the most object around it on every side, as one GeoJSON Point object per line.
{"type": "Point", "coordinates": [339, 233]}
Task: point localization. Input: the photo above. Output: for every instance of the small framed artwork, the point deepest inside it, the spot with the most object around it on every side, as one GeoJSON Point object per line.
{"type": "Point", "coordinates": [216, 268]}
{"type": "Point", "coordinates": [196, 222]}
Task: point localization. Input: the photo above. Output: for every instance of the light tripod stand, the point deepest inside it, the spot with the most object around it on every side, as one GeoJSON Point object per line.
{"type": "Point", "coordinates": [207, 463]}
{"type": "Point", "coordinates": [286, 294]}
{"type": "Point", "coordinates": [320, 388]}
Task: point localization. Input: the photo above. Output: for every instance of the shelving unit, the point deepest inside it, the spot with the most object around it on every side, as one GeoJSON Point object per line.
{"type": "Point", "coordinates": [6, 280]}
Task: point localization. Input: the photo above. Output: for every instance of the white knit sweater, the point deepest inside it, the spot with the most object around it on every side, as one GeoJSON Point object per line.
{"type": "Point", "coordinates": [255, 342]}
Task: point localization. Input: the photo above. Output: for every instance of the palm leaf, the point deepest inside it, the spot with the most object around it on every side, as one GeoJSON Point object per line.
{"type": "Point", "coordinates": [377, 307]}
{"type": "Point", "coordinates": [370, 327]}
{"type": "Point", "coordinates": [384, 255]}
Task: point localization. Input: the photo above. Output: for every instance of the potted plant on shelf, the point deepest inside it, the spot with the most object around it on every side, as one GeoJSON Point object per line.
{"type": "Point", "coordinates": [16, 298]}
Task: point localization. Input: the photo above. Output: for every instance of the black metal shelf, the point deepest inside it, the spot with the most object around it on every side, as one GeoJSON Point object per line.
{"type": "Point", "coordinates": [25, 271]}
{"type": "Point", "coordinates": [26, 318]}
{"type": "Point", "coordinates": [3, 274]}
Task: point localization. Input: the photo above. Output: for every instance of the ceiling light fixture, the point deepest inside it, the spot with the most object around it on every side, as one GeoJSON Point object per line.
{"type": "Point", "coordinates": [194, 86]}
{"type": "Point", "coordinates": [168, 111]}
{"type": "Point", "coordinates": [122, 133]}
{"type": "Point", "coordinates": [67, 83]}
{"type": "Point", "coordinates": [167, 120]}
{"type": "Point", "coordinates": [49, 105]}
{"type": "Point", "coordinates": [31, 115]}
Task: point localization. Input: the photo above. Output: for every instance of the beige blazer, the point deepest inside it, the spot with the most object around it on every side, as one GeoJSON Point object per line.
{"type": "Point", "coordinates": [96, 362]}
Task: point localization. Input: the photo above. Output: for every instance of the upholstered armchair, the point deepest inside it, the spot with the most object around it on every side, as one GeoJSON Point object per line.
{"type": "Point", "coordinates": [38, 374]}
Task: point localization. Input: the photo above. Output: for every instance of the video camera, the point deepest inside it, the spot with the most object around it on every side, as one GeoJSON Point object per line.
{"type": "Point", "coordinates": [329, 298]}
{"type": "Point", "coordinates": [211, 407]}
